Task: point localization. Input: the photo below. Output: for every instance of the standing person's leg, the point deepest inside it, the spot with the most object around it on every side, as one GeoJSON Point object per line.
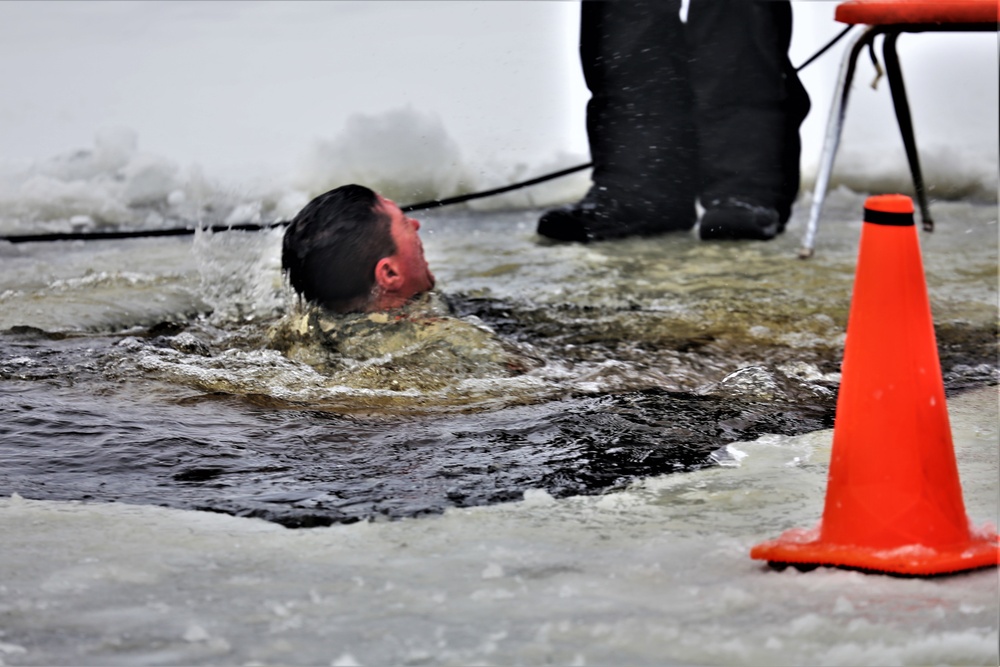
{"type": "Point", "coordinates": [749, 105]}
{"type": "Point", "coordinates": [639, 125]}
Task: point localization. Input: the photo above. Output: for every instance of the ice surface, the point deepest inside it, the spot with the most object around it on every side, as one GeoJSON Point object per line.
{"type": "Point", "coordinates": [655, 574]}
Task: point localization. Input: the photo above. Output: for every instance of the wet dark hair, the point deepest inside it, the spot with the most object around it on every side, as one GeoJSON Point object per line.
{"type": "Point", "coordinates": [330, 249]}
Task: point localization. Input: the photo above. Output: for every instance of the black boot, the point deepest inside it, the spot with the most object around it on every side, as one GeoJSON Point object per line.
{"type": "Point", "coordinates": [734, 218]}
{"type": "Point", "coordinates": [601, 216]}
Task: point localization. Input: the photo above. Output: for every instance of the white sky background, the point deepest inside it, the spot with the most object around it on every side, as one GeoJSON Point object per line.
{"type": "Point", "coordinates": [244, 88]}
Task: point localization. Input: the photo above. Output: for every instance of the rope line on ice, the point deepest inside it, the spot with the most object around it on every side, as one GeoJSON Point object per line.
{"type": "Point", "coordinates": [256, 227]}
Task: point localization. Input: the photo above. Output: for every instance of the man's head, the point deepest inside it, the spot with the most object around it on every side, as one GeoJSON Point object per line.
{"type": "Point", "coordinates": [351, 250]}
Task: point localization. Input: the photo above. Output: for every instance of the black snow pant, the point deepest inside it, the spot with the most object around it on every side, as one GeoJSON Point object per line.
{"type": "Point", "coordinates": [707, 109]}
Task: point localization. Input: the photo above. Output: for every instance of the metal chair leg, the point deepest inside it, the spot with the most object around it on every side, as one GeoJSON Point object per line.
{"type": "Point", "coordinates": [834, 128]}
{"type": "Point", "coordinates": [902, 107]}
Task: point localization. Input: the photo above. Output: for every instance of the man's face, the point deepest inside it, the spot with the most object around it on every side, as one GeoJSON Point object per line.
{"type": "Point", "coordinates": [412, 265]}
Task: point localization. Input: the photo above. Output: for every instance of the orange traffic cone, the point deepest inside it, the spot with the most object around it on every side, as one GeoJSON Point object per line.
{"type": "Point", "coordinates": [893, 497]}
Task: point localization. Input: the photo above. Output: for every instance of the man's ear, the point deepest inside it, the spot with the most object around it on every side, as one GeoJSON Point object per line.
{"type": "Point", "coordinates": [387, 276]}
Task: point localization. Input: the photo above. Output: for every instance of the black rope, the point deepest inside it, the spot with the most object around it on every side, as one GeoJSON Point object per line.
{"type": "Point", "coordinates": [496, 191]}
{"type": "Point", "coordinates": [420, 206]}
{"type": "Point", "coordinates": [829, 45]}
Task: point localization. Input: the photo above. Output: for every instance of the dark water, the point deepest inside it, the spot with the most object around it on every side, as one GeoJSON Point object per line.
{"type": "Point", "coordinates": [67, 433]}
{"type": "Point", "coordinates": [254, 456]}
{"type": "Point", "coordinates": [654, 354]}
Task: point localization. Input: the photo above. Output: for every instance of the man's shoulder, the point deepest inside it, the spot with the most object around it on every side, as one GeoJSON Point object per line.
{"type": "Point", "coordinates": [425, 334]}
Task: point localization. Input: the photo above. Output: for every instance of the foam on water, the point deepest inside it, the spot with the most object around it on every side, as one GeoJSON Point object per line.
{"type": "Point", "coordinates": [269, 373]}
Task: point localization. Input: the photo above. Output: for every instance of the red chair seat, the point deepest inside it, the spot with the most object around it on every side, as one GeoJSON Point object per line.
{"type": "Point", "coordinates": [894, 12]}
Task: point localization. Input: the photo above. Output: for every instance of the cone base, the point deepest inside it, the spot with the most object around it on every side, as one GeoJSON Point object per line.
{"type": "Point", "coordinates": [795, 547]}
